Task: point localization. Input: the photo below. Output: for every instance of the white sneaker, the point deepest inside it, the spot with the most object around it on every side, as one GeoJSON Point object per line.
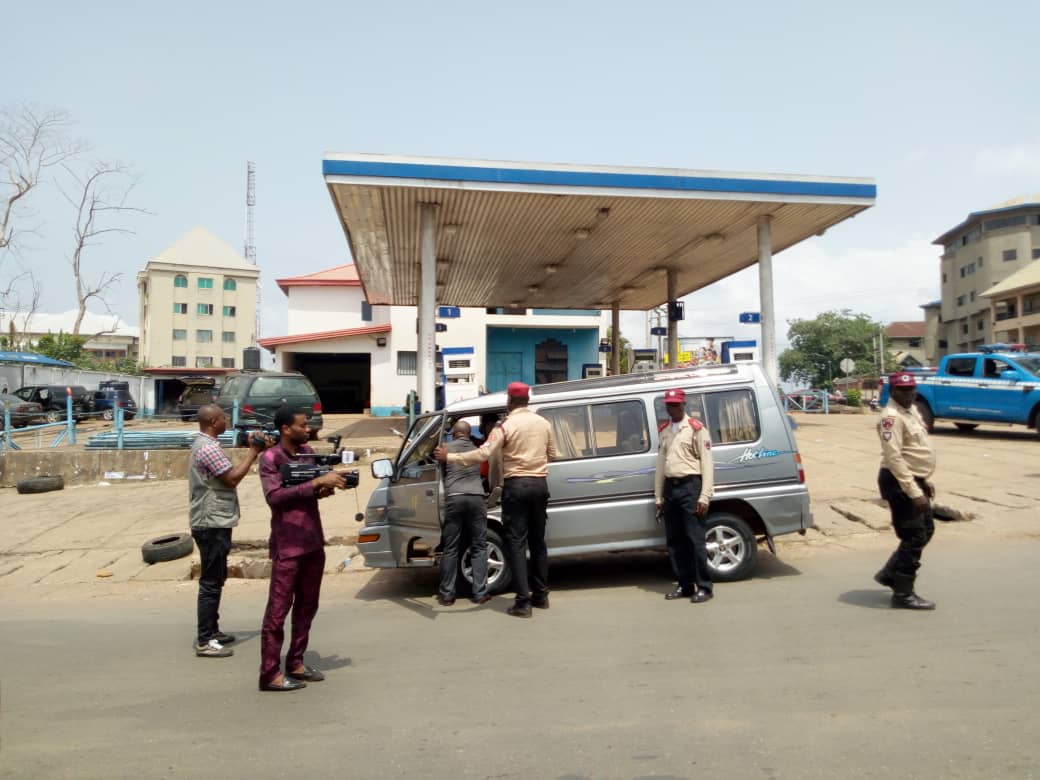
{"type": "Point", "coordinates": [213, 649]}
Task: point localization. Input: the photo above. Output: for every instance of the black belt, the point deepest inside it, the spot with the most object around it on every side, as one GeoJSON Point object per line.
{"type": "Point", "coordinates": [682, 480]}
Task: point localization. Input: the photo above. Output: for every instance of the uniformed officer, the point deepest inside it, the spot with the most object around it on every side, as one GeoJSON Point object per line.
{"type": "Point", "coordinates": [907, 461]}
{"type": "Point", "coordinates": [683, 486]}
{"type": "Point", "coordinates": [525, 441]}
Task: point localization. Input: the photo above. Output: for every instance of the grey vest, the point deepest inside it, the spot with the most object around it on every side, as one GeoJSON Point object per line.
{"type": "Point", "coordinates": [462, 480]}
{"type": "Point", "coordinates": [212, 504]}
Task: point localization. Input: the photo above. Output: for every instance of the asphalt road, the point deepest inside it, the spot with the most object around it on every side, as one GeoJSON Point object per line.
{"type": "Point", "coordinates": [802, 672]}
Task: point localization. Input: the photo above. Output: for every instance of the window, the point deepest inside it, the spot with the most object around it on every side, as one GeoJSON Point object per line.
{"type": "Point", "coordinates": [992, 368]}
{"type": "Point", "coordinates": [1009, 255]}
{"type": "Point", "coordinates": [278, 386]}
{"type": "Point", "coordinates": [979, 262]}
{"type": "Point", "coordinates": [972, 295]}
{"type": "Point", "coordinates": [458, 363]}
{"type": "Point", "coordinates": [981, 325]}
{"type": "Point", "coordinates": [570, 427]}
{"type": "Point", "coordinates": [914, 343]}
{"type": "Point", "coordinates": [730, 415]}
{"type": "Point", "coordinates": [205, 283]}
{"type": "Point", "coordinates": [230, 285]}
{"type": "Point", "coordinates": [179, 361]}
{"type": "Point", "coordinates": [1004, 222]}
{"type": "Point", "coordinates": [229, 311]}
{"type": "Point", "coordinates": [228, 337]}
{"type": "Point", "coordinates": [961, 299]}
{"type": "Point", "coordinates": [619, 428]}
{"type": "Point", "coordinates": [227, 362]}
{"type": "Point", "coordinates": [366, 311]}
{"type": "Point", "coordinates": [180, 334]}
{"type": "Point", "coordinates": [203, 336]}
{"type": "Point", "coordinates": [203, 362]}
{"type": "Point", "coordinates": [944, 278]}
{"type": "Point", "coordinates": [961, 366]}
{"type": "Point", "coordinates": [206, 309]}
{"type": "Point", "coordinates": [180, 308]}
{"type": "Point", "coordinates": [943, 344]}
{"type": "Point", "coordinates": [406, 363]}
{"type": "Point", "coordinates": [1036, 254]}
{"type": "Point", "coordinates": [180, 281]}
{"type": "Point", "coordinates": [506, 310]}
{"type": "Point", "coordinates": [964, 327]}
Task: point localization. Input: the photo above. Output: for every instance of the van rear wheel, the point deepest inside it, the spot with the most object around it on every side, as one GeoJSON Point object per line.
{"type": "Point", "coordinates": [499, 573]}
{"type": "Point", "coordinates": [732, 548]}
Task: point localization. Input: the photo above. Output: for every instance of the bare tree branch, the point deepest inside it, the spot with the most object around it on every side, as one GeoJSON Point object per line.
{"type": "Point", "coordinates": [98, 195]}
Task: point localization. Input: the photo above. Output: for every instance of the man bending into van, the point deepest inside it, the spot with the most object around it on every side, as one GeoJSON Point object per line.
{"type": "Point", "coordinates": [464, 506]}
{"type": "Point", "coordinates": [526, 442]}
{"type": "Point", "coordinates": [212, 513]}
{"type": "Point", "coordinates": [683, 486]}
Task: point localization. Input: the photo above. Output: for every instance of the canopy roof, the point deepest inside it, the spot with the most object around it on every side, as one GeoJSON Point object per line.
{"type": "Point", "coordinates": [568, 236]}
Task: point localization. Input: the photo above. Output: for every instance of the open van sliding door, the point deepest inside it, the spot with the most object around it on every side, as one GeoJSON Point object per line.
{"type": "Point", "coordinates": [415, 495]}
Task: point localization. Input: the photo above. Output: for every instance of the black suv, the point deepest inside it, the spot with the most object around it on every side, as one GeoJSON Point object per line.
{"type": "Point", "coordinates": [52, 399]}
{"type": "Point", "coordinates": [260, 393]}
{"type": "Point", "coordinates": [111, 394]}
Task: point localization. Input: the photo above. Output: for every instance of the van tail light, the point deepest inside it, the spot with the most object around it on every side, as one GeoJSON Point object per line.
{"type": "Point", "coordinates": [317, 408]}
{"type": "Point", "coordinates": [248, 409]}
{"type": "Point", "coordinates": [801, 470]}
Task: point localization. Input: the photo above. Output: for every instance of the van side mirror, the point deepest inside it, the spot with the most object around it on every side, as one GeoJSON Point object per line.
{"type": "Point", "coordinates": [1010, 374]}
{"type": "Point", "coordinates": [382, 468]}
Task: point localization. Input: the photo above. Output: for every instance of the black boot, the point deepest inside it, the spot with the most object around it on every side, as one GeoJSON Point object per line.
{"type": "Point", "coordinates": [884, 577]}
{"type": "Point", "coordinates": [904, 596]}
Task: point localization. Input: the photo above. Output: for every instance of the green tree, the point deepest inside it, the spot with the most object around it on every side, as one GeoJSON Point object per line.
{"type": "Point", "coordinates": [819, 345]}
{"type": "Point", "coordinates": [64, 346]}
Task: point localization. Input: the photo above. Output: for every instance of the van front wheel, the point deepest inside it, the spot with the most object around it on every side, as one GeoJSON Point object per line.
{"type": "Point", "coordinates": [499, 573]}
{"type": "Point", "coordinates": [732, 548]}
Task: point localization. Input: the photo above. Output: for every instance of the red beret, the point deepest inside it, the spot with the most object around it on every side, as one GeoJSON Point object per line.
{"type": "Point", "coordinates": [518, 390]}
{"type": "Point", "coordinates": [901, 379]}
{"type": "Point", "coordinates": [674, 396]}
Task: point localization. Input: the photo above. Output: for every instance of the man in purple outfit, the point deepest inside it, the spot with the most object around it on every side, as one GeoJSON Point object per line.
{"type": "Point", "coordinates": [297, 550]}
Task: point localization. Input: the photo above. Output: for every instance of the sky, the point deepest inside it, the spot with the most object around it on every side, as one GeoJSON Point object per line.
{"type": "Point", "coordinates": [932, 100]}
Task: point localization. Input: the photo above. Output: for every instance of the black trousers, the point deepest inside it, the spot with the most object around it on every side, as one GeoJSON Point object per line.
{"type": "Point", "coordinates": [214, 546]}
{"type": "Point", "coordinates": [524, 504]}
{"type": "Point", "coordinates": [913, 527]}
{"type": "Point", "coordinates": [684, 533]}
{"type": "Point", "coordinates": [469, 513]}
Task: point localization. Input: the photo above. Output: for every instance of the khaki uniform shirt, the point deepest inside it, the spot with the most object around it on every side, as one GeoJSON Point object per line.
{"type": "Point", "coordinates": [905, 449]}
{"type": "Point", "coordinates": [525, 441]}
{"type": "Point", "coordinates": [683, 454]}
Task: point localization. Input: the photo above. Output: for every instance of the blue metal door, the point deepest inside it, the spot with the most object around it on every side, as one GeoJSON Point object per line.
{"type": "Point", "coordinates": [503, 368]}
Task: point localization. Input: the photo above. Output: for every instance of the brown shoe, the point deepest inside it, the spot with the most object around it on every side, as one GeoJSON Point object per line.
{"type": "Point", "coordinates": [483, 599]}
{"type": "Point", "coordinates": [445, 602]}
{"type": "Point", "coordinates": [520, 611]}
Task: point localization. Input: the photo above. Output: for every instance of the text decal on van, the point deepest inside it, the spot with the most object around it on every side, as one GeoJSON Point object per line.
{"type": "Point", "coordinates": [750, 454]}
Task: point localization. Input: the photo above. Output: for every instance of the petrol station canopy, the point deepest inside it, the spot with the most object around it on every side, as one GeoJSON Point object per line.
{"type": "Point", "coordinates": [545, 235]}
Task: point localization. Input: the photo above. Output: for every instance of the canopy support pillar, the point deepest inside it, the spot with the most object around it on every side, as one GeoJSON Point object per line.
{"type": "Point", "coordinates": [673, 324]}
{"type": "Point", "coordinates": [765, 294]}
{"type": "Point", "coordinates": [615, 338]}
{"type": "Point", "coordinates": [426, 354]}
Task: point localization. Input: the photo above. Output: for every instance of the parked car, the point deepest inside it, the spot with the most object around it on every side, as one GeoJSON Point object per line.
{"type": "Point", "coordinates": [198, 391]}
{"type": "Point", "coordinates": [111, 394]}
{"type": "Point", "coordinates": [601, 484]}
{"type": "Point", "coordinates": [260, 393]}
{"type": "Point", "coordinates": [53, 400]}
{"type": "Point", "coordinates": [22, 412]}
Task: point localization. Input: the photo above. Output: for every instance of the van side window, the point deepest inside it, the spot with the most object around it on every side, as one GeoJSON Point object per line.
{"type": "Point", "coordinates": [620, 428]}
{"type": "Point", "coordinates": [732, 417]}
{"type": "Point", "coordinates": [570, 427]}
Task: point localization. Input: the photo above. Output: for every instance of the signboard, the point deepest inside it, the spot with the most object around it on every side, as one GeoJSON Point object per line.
{"type": "Point", "coordinates": [750, 317]}
{"type": "Point", "coordinates": [448, 312]}
{"type": "Point", "coordinates": [847, 365]}
{"type": "Point", "coordinates": [659, 331]}
{"type": "Point", "coordinates": [605, 348]}
{"type": "Point", "coordinates": [649, 355]}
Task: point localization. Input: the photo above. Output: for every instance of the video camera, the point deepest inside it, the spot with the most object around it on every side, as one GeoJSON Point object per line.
{"type": "Point", "coordinates": [316, 465]}
{"type": "Point", "coordinates": [247, 434]}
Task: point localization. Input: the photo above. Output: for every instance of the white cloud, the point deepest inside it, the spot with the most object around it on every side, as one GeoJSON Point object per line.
{"type": "Point", "coordinates": [886, 284]}
{"type": "Point", "coordinates": [1020, 158]}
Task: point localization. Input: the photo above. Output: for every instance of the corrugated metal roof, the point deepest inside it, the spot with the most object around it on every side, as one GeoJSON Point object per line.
{"type": "Point", "coordinates": [32, 358]}
{"type": "Point", "coordinates": [557, 236]}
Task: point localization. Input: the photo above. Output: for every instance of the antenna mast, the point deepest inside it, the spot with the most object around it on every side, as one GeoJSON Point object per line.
{"type": "Point", "coordinates": [250, 248]}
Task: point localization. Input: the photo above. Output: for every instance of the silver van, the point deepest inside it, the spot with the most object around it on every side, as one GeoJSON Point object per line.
{"type": "Point", "coordinates": [601, 485]}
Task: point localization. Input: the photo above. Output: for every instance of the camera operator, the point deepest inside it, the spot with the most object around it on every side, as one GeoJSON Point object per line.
{"type": "Point", "coordinates": [213, 512]}
{"type": "Point", "coordinates": [297, 551]}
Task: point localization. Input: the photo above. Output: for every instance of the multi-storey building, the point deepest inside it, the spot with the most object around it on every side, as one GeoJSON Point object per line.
{"type": "Point", "coordinates": [1015, 307]}
{"type": "Point", "coordinates": [198, 305]}
{"type": "Point", "coordinates": [364, 357]}
{"type": "Point", "coordinates": [981, 251]}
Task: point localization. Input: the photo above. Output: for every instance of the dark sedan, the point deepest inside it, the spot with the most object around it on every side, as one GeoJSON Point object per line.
{"type": "Point", "coordinates": [22, 412]}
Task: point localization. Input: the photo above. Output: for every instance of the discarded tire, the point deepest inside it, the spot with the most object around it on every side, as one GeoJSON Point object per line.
{"type": "Point", "coordinates": [167, 548]}
{"type": "Point", "coordinates": [43, 484]}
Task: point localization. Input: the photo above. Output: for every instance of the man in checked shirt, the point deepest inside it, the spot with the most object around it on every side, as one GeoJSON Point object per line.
{"type": "Point", "coordinates": [212, 513]}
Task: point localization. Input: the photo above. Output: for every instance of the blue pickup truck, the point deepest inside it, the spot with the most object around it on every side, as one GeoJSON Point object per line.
{"type": "Point", "coordinates": [991, 386]}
